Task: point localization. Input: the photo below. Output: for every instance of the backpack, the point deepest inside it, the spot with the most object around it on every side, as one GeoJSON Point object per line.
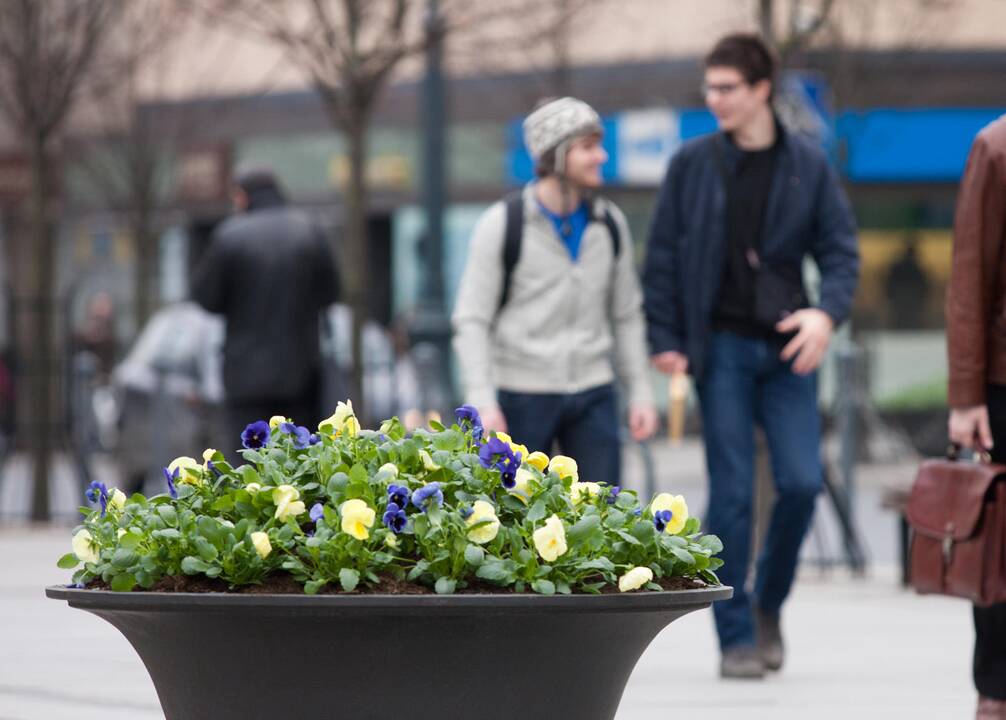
{"type": "Point", "coordinates": [513, 236]}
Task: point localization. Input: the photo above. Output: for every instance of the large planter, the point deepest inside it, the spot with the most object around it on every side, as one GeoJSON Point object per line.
{"type": "Point", "coordinates": [370, 657]}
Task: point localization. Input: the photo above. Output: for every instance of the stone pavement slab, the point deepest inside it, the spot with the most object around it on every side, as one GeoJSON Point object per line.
{"type": "Point", "coordinates": [858, 648]}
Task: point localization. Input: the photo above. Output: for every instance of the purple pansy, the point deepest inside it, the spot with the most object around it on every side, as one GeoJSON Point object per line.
{"type": "Point", "coordinates": [301, 435]}
{"type": "Point", "coordinates": [468, 417]}
{"type": "Point", "coordinates": [171, 477]}
{"type": "Point", "coordinates": [428, 494]}
{"type": "Point", "coordinates": [398, 494]}
{"type": "Point", "coordinates": [317, 512]}
{"type": "Point", "coordinates": [394, 518]}
{"type": "Point", "coordinates": [661, 518]}
{"type": "Point", "coordinates": [98, 492]}
{"type": "Point", "coordinates": [255, 435]}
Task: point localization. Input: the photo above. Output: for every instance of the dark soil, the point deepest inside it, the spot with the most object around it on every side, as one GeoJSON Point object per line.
{"type": "Point", "coordinates": [284, 584]}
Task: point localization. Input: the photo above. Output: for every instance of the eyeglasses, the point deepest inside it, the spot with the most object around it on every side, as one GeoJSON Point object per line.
{"type": "Point", "coordinates": [720, 88]}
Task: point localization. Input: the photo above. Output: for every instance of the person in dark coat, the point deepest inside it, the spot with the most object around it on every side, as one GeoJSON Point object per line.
{"type": "Point", "coordinates": [737, 214]}
{"type": "Point", "coordinates": [270, 273]}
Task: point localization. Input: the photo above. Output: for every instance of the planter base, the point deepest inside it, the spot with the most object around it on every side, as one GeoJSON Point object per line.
{"type": "Point", "coordinates": [371, 657]}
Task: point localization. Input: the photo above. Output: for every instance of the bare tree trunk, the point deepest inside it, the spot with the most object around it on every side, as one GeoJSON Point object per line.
{"type": "Point", "coordinates": [357, 268]}
{"type": "Point", "coordinates": [41, 363]}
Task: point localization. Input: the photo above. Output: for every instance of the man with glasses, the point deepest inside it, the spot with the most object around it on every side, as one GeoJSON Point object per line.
{"type": "Point", "coordinates": [724, 296]}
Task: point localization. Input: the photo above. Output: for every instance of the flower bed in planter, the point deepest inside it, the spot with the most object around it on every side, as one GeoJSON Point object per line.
{"type": "Point", "coordinates": [455, 567]}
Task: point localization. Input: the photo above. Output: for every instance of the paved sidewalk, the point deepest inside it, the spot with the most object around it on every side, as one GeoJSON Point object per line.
{"type": "Point", "coordinates": [858, 648]}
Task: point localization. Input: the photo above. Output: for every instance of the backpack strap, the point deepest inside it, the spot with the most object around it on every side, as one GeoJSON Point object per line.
{"type": "Point", "coordinates": [513, 236]}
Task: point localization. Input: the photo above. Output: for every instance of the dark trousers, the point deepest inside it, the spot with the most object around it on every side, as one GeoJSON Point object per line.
{"type": "Point", "coordinates": [585, 425]}
{"type": "Point", "coordinates": [990, 622]}
{"type": "Point", "coordinates": [746, 383]}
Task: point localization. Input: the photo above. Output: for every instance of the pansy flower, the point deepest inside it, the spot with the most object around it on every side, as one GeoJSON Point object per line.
{"type": "Point", "coordinates": [255, 435]}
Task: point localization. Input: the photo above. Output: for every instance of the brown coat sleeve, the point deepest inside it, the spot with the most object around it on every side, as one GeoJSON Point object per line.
{"type": "Point", "coordinates": [979, 224]}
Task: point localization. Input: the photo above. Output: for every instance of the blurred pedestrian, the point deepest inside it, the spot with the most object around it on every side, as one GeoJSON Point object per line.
{"type": "Point", "coordinates": [96, 335]}
{"type": "Point", "coordinates": [737, 213]}
{"type": "Point", "coordinates": [976, 352]}
{"type": "Point", "coordinates": [270, 273]}
{"type": "Point", "coordinates": [549, 306]}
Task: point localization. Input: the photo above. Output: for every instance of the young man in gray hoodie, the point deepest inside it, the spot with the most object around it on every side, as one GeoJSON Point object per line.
{"type": "Point", "coordinates": [549, 310]}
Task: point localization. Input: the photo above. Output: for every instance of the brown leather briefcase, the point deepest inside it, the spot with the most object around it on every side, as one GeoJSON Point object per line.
{"type": "Point", "coordinates": [957, 511]}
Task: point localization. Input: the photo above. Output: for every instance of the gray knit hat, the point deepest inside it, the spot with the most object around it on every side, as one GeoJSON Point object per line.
{"type": "Point", "coordinates": [555, 124]}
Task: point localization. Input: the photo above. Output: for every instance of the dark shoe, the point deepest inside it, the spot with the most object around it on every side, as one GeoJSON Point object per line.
{"type": "Point", "coordinates": [769, 640]}
{"type": "Point", "coordinates": [742, 663]}
{"type": "Point", "coordinates": [990, 709]}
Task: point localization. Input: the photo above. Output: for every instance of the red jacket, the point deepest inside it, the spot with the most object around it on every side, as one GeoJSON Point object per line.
{"type": "Point", "coordinates": [976, 297]}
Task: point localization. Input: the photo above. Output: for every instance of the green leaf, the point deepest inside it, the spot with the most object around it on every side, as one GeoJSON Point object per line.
{"type": "Point", "coordinates": [123, 558]}
{"type": "Point", "coordinates": [311, 587]}
{"type": "Point", "coordinates": [68, 562]}
{"type": "Point", "coordinates": [474, 555]}
{"type": "Point", "coordinates": [545, 587]}
{"type": "Point", "coordinates": [711, 543]}
{"type": "Point", "coordinates": [583, 528]}
{"type": "Point", "coordinates": [207, 551]}
{"type": "Point", "coordinates": [683, 555]}
{"type": "Point", "coordinates": [494, 571]}
{"type": "Point", "coordinates": [445, 586]}
{"type": "Point", "coordinates": [167, 514]}
{"type": "Point", "coordinates": [223, 504]}
{"type": "Point", "coordinates": [631, 539]}
{"type": "Point", "coordinates": [349, 578]}
{"type": "Point", "coordinates": [167, 534]}
{"type": "Point", "coordinates": [123, 582]}
{"type": "Point", "coordinates": [249, 474]}
{"type": "Point", "coordinates": [537, 511]}
{"type": "Point", "coordinates": [193, 565]}
{"type": "Point", "coordinates": [130, 541]}
{"type": "Point", "coordinates": [421, 567]}
{"type": "Point", "coordinates": [337, 484]}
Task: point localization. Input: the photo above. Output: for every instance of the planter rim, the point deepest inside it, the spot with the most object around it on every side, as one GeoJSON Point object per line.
{"type": "Point", "coordinates": [175, 601]}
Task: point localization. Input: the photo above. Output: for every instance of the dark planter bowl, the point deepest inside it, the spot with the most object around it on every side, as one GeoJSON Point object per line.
{"type": "Point", "coordinates": [370, 657]}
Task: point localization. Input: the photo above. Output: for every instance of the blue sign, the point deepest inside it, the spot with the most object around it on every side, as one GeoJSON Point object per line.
{"type": "Point", "coordinates": [928, 145]}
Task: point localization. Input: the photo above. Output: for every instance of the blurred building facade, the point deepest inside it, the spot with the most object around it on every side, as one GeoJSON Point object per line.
{"type": "Point", "coordinates": [896, 91]}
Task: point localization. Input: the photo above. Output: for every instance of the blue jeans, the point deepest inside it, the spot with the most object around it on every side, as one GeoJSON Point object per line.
{"type": "Point", "coordinates": [585, 424]}
{"type": "Point", "coordinates": [745, 383]}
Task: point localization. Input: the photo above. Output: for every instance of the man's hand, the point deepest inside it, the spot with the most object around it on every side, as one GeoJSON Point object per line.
{"type": "Point", "coordinates": [492, 418]}
{"type": "Point", "coordinates": [642, 422]}
{"type": "Point", "coordinates": [670, 362]}
{"type": "Point", "coordinates": [970, 426]}
{"type": "Point", "coordinates": [813, 330]}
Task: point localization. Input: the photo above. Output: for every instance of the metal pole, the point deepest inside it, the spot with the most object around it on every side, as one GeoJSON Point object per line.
{"type": "Point", "coordinates": [431, 323]}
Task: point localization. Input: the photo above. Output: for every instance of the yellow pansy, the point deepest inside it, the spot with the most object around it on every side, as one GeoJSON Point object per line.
{"type": "Point", "coordinates": [117, 498]}
{"type": "Point", "coordinates": [119, 533]}
{"type": "Point", "coordinates": [253, 487]}
{"type": "Point", "coordinates": [513, 446]}
{"type": "Point", "coordinates": [428, 461]}
{"type": "Point", "coordinates": [262, 545]}
{"type": "Point", "coordinates": [208, 454]}
{"type": "Point", "coordinates": [84, 547]}
{"type": "Point", "coordinates": [522, 484]}
{"type": "Point", "coordinates": [343, 421]}
{"type": "Point", "coordinates": [390, 540]}
{"type": "Point", "coordinates": [389, 468]}
{"type": "Point", "coordinates": [357, 518]}
{"type": "Point", "coordinates": [537, 459]}
{"type": "Point", "coordinates": [580, 489]}
{"type": "Point", "coordinates": [679, 511]}
{"type": "Point", "coordinates": [189, 471]}
{"type": "Point", "coordinates": [276, 420]}
{"type": "Point", "coordinates": [550, 539]}
{"type": "Point", "coordinates": [635, 579]}
{"type": "Point", "coordinates": [288, 503]}
{"type": "Point", "coordinates": [483, 512]}
{"type": "Point", "coordinates": [564, 467]}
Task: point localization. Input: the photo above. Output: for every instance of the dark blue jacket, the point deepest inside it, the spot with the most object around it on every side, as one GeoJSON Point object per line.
{"type": "Point", "coordinates": [807, 213]}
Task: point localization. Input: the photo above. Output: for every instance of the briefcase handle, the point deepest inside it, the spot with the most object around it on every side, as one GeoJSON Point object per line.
{"type": "Point", "coordinates": [954, 454]}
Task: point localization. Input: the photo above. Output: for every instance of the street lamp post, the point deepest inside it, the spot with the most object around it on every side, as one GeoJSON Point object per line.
{"type": "Point", "coordinates": [431, 328]}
